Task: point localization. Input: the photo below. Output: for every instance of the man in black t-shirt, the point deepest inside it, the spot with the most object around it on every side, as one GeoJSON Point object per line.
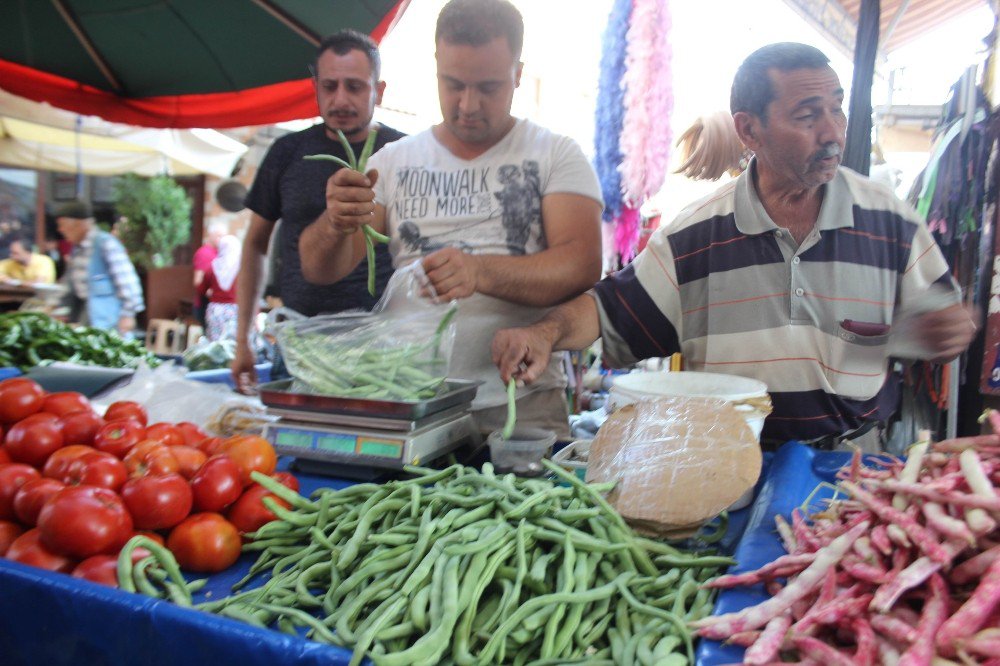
{"type": "Point", "coordinates": [293, 190]}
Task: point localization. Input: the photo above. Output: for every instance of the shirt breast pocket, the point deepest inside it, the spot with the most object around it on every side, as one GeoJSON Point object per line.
{"type": "Point", "coordinates": [856, 361]}
{"type": "Point", "coordinates": [102, 285]}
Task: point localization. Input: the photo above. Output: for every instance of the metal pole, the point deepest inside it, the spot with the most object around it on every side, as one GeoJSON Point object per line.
{"type": "Point", "coordinates": [951, 430]}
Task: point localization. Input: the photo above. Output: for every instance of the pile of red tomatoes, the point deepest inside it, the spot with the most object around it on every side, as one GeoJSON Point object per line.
{"type": "Point", "coordinates": [75, 485]}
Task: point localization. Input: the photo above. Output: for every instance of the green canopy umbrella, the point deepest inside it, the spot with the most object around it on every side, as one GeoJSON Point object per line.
{"type": "Point", "coordinates": [176, 63]}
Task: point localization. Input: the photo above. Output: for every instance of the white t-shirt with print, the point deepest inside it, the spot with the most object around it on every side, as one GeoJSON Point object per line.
{"type": "Point", "coordinates": [487, 205]}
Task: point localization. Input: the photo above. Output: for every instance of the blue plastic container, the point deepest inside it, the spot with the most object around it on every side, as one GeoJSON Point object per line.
{"type": "Point", "coordinates": [223, 375]}
{"type": "Point", "coordinates": [7, 373]}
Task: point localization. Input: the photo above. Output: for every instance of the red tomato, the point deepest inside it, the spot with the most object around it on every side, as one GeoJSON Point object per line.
{"type": "Point", "coordinates": [118, 437]}
{"type": "Point", "coordinates": [32, 496]}
{"type": "Point", "coordinates": [80, 427]}
{"type": "Point", "coordinates": [287, 480]}
{"type": "Point", "coordinates": [210, 445]}
{"type": "Point", "coordinates": [192, 433]}
{"type": "Point", "coordinates": [154, 536]}
{"type": "Point", "coordinates": [189, 458]}
{"type": "Point", "coordinates": [9, 531]}
{"type": "Point", "coordinates": [12, 477]}
{"type": "Point", "coordinates": [251, 454]}
{"type": "Point", "coordinates": [66, 402]}
{"type": "Point", "coordinates": [216, 484]}
{"type": "Point", "coordinates": [33, 439]}
{"type": "Point", "coordinates": [95, 469]}
{"type": "Point", "coordinates": [103, 569]}
{"type": "Point", "coordinates": [29, 549]}
{"type": "Point", "coordinates": [205, 542]}
{"type": "Point", "coordinates": [157, 502]}
{"type": "Point", "coordinates": [249, 513]}
{"type": "Point", "coordinates": [82, 521]}
{"type": "Point", "coordinates": [19, 397]}
{"type": "Point", "coordinates": [126, 409]}
{"type": "Point", "coordinates": [165, 433]}
{"type": "Point", "coordinates": [4, 456]}
{"type": "Point", "coordinates": [150, 457]}
{"type": "Point", "coordinates": [57, 464]}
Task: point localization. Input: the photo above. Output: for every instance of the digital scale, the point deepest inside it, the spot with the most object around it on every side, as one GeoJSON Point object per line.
{"type": "Point", "coordinates": [362, 439]}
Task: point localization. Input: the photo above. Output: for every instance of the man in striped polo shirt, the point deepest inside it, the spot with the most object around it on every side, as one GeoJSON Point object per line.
{"type": "Point", "coordinates": [794, 274]}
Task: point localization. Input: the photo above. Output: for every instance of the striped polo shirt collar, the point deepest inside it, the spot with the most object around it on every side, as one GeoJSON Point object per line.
{"type": "Point", "coordinates": [752, 219]}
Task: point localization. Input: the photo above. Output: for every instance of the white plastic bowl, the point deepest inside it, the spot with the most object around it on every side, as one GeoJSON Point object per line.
{"type": "Point", "coordinates": [627, 389]}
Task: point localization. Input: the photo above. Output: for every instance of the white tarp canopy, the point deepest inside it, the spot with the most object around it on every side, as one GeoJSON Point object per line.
{"type": "Point", "coordinates": [39, 136]}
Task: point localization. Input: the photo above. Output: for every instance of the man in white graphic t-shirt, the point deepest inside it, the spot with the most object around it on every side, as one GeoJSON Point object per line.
{"type": "Point", "coordinates": [504, 214]}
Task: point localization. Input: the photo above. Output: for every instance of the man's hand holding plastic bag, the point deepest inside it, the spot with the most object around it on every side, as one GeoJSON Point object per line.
{"type": "Point", "coordinates": [399, 351]}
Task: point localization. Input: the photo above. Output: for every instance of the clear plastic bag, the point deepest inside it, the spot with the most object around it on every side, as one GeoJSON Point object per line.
{"type": "Point", "coordinates": [399, 351]}
{"type": "Point", "coordinates": [168, 395]}
{"type": "Point", "coordinates": [210, 355]}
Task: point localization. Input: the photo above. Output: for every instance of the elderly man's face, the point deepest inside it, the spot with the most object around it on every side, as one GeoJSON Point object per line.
{"type": "Point", "coordinates": [802, 138]}
{"type": "Point", "coordinates": [19, 253]}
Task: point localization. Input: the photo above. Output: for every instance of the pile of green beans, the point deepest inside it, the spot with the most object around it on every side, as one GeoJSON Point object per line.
{"type": "Point", "coordinates": [458, 566]}
{"type": "Point", "coordinates": [30, 339]}
{"type": "Point", "coordinates": [360, 366]}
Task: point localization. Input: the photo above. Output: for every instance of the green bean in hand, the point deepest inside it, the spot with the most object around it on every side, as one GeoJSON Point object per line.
{"type": "Point", "coordinates": [359, 164]}
{"type": "Point", "coordinates": [508, 426]}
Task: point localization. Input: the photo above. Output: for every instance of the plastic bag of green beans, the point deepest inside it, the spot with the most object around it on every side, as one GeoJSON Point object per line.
{"type": "Point", "coordinates": [399, 351]}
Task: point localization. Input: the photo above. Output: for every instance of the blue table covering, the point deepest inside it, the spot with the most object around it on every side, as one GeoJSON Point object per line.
{"type": "Point", "coordinates": [793, 476]}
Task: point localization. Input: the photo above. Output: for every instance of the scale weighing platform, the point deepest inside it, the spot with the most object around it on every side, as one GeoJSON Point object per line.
{"type": "Point", "coordinates": [363, 439]}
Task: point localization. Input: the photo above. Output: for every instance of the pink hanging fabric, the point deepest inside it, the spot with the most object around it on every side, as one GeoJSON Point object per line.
{"type": "Point", "coordinates": [646, 135]}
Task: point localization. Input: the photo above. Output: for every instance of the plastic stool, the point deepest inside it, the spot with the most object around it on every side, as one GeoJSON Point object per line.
{"type": "Point", "coordinates": [165, 336]}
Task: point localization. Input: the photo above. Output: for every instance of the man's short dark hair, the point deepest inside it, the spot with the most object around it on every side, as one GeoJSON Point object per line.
{"type": "Point", "coordinates": [753, 89]}
{"type": "Point", "coordinates": [343, 42]}
{"type": "Point", "coordinates": [478, 22]}
{"type": "Point", "coordinates": [76, 209]}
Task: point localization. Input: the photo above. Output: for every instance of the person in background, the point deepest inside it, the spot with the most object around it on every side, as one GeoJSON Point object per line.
{"type": "Point", "coordinates": [502, 213]}
{"type": "Point", "coordinates": [104, 289]}
{"type": "Point", "coordinates": [346, 76]}
{"type": "Point", "coordinates": [11, 223]}
{"type": "Point", "coordinates": [798, 273]}
{"type": "Point", "coordinates": [201, 262]}
{"type": "Point", "coordinates": [25, 265]}
{"type": "Point", "coordinates": [218, 290]}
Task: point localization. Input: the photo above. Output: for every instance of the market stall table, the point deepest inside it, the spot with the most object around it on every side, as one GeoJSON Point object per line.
{"type": "Point", "coordinates": [13, 295]}
{"type": "Point", "coordinates": [53, 619]}
{"type": "Point", "coordinates": [50, 618]}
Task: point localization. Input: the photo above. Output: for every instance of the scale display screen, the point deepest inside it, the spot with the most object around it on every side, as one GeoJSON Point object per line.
{"type": "Point", "coordinates": [337, 442]}
{"type": "Point", "coordinates": [293, 438]}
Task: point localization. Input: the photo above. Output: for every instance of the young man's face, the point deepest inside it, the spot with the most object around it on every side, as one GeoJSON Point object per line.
{"type": "Point", "coordinates": [72, 229]}
{"type": "Point", "coordinates": [803, 138]}
{"type": "Point", "coordinates": [346, 93]}
{"type": "Point", "coordinates": [476, 88]}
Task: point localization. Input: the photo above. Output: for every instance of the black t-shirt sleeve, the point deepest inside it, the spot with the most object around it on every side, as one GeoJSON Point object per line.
{"type": "Point", "coordinates": [264, 197]}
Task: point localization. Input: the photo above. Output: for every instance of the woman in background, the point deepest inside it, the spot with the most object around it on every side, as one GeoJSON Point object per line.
{"type": "Point", "coordinates": [219, 288]}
